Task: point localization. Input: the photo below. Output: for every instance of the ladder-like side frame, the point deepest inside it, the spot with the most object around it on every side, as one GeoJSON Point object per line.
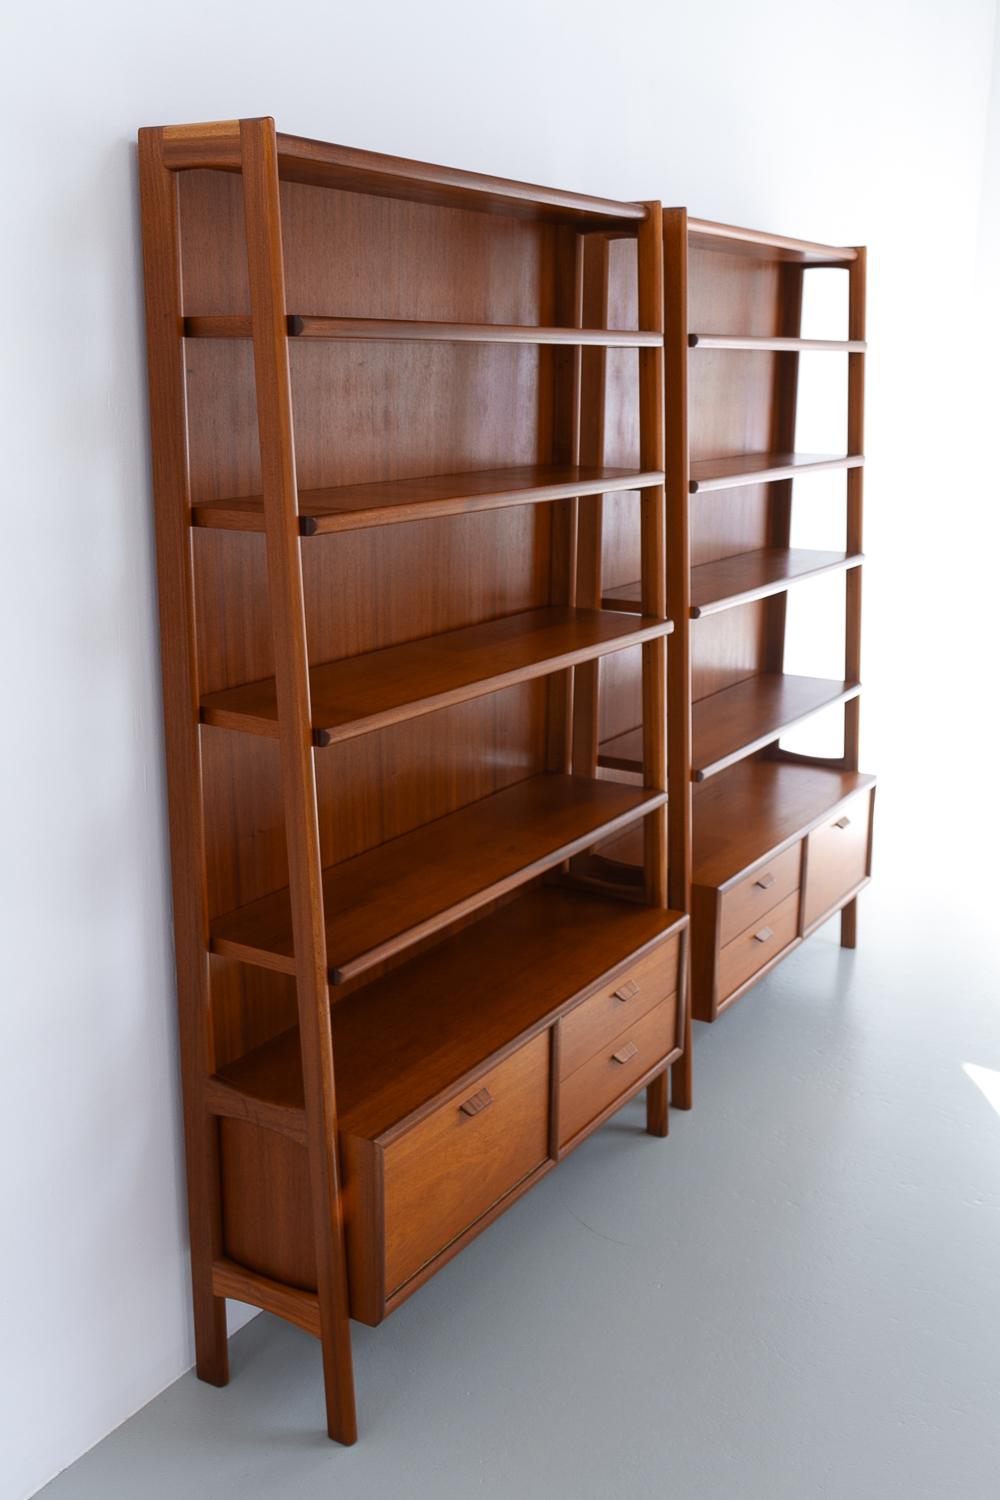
{"type": "Point", "coordinates": [674, 233]}
{"type": "Point", "coordinates": [253, 144]}
{"type": "Point", "coordinates": [855, 542]}
{"type": "Point", "coordinates": [653, 554]}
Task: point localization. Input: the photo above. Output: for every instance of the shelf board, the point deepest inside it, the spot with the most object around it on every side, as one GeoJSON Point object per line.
{"type": "Point", "coordinates": [777, 345]}
{"type": "Point", "coordinates": [705, 235]}
{"type": "Point", "coordinates": [324, 164]}
{"type": "Point", "coordinates": [756, 808]}
{"type": "Point", "coordinates": [392, 896]}
{"type": "Point", "coordinates": [368, 692]}
{"type": "Point", "coordinates": [755, 575]}
{"type": "Point", "coordinates": [406, 1038]}
{"type": "Point", "coordinates": [239, 326]}
{"type": "Point", "coordinates": [764, 468]}
{"type": "Point", "coordinates": [746, 576]}
{"type": "Point", "coordinates": [732, 724]}
{"type": "Point", "coordinates": [352, 506]}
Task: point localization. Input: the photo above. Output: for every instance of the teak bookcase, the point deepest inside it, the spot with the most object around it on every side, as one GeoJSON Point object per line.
{"type": "Point", "coordinates": [781, 840]}
{"type": "Point", "coordinates": [408, 985]}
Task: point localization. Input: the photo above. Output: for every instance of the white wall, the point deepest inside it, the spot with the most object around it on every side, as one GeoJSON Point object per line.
{"type": "Point", "coordinates": [864, 120]}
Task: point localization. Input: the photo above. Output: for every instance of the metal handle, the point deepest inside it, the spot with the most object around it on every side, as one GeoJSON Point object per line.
{"type": "Point", "coordinates": [625, 1054]}
{"type": "Point", "coordinates": [480, 1101]}
{"type": "Point", "coordinates": [626, 991]}
{"type": "Point", "coordinates": [763, 935]}
{"type": "Point", "coordinates": [765, 882]}
{"type": "Point", "coordinates": [842, 822]}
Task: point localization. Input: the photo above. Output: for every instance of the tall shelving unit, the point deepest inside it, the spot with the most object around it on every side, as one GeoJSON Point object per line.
{"type": "Point", "coordinates": [405, 992]}
{"type": "Point", "coordinates": [781, 840]}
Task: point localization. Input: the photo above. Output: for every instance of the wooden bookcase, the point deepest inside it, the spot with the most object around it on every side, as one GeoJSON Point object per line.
{"type": "Point", "coordinates": [407, 984]}
{"type": "Point", "coordinates": [780, 840]}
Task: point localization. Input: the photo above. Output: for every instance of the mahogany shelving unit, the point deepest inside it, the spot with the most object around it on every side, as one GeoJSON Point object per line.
{"type": "Point", "coordinates": [781, 840]}
{"type": "Point", "coordinates": [407, 986]}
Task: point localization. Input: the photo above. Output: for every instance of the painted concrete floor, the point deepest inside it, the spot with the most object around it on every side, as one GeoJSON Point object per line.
{"type": "Point", "coordinates": [795, 1297]}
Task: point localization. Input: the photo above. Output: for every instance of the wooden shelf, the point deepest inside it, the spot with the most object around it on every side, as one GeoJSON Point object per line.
{"type": "Point", "coordinates": [390, 897]}
{"type": "Point", "coordinates": [763, 468]}
{"type": "Point", "coordinates": [351, 506]}
{"type": "Point", "coordinates": [239, 326]}
{"type": "Point", "coordinates": [404, 1039]}
{"type": "Point", "coordinates": [378, 688]}
{"type": "Point", "coordinates": [320, 164]}
{"type": "Point", "coordinates": [705, 235]}
{"type": "Point", "coordinates": [729, 726]}
{"type": "Point", "coordinates": [731, 581]}
{"type": "Point", "coordinates": [732, 724]}
{"type": "Point", "coordinates": [754, 575]}
{"type": "Point", "coordinates": [777, 345]}
{"type": "Point", "coordinates": [759, 807]}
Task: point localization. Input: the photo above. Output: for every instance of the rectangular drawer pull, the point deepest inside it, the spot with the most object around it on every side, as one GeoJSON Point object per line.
{"type": "Point", "coordinates": [627, 991]}
{"type": "Point", "coordinates": [765, 882]}
{"type": "Point", "coordinates": [843, 822]}
{"type": "Point", "coordinates": [763, 936]}
{"type": "Point", "coordinates": [480, 1101]}
{"type": "Point", "coordinates": [625, 1054]}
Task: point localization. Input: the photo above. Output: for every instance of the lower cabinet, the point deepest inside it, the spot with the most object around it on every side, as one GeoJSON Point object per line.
{"type": "Point", "coordinates": [741, 927]}
{"type": "Point", "coordinates": [419, 1183]}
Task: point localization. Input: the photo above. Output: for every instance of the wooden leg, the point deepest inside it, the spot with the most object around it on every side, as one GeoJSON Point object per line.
{"type": "Point", "coordinates": [657, 1106]}
{"type": "Point", "coordinates": [849, 924]}
{"type": "Point", "coordinates": [680, 1079]}
{"type": "Point", "coordinates": [681, 1073]}
{"type": "Point", "coordinates": [211, 1336]}
{"type": "Point", "coordinates": [338, 1380]}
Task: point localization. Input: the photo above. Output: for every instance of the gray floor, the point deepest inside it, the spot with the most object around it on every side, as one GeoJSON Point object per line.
{"type": "Point", "coordinates": [795, 1297]}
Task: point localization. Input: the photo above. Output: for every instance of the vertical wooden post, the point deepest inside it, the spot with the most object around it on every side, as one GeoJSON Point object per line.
{"type": "Point", "coordinates": [594, 273]}
{"type": "Point", "coordinates": [171, 486]}
{"type": "Point", "coordinates": [563, 444]}
{"type": "Point", "coordinates": [855, 543]}
{"type": "Point", "coordinates": [784, 411]}
{"type": "Point", "coordinates": [677, 466]}
{"type": "Point", "coordinates": [653, 554]}
{"type": "Point", "coordinates": [298, 772]}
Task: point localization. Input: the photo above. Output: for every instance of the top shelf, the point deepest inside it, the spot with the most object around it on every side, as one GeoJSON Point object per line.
{"type": "Point", "coordinates": [779, 345]}
{"type": "Point", "coordinates": [239, 326]}
{"type": "Point", "coordinates": [705, 235]}
{"type": "Point", "coordinates": [323, 164]}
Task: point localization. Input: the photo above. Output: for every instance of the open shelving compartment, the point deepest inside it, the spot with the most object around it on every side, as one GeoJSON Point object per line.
{"type": "Point", "coordinates": [404, 992]}
{"type": "Point", "coordinates": [780, 840]}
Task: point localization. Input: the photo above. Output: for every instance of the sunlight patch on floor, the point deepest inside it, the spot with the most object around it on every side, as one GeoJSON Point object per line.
{"type": "Point", "coordinates": [987, 1080]}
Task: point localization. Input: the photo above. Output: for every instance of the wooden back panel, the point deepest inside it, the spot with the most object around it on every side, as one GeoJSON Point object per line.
{"type": "Point", "coordinates": [732, 409]}
{"type": "Point", "coordinates": [369, 411]}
